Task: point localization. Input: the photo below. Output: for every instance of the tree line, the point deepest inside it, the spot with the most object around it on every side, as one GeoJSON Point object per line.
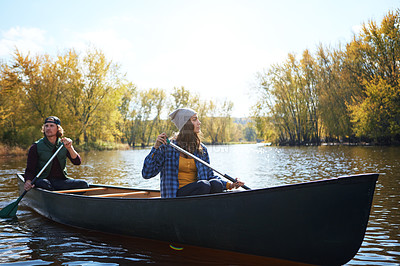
{"type": "Point", "coordinates": [97, 104]}
{"type": "Point", "coordinates": [350, 93]}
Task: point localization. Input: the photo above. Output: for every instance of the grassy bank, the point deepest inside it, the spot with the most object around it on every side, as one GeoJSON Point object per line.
{"type": "Point", "coordinates": [101, 146]}
{"type": "Point", "coordinates": [6, 150]}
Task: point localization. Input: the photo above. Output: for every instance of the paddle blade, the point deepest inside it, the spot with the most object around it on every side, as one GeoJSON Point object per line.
{"type": "Point", "coordinates": [10, 210]}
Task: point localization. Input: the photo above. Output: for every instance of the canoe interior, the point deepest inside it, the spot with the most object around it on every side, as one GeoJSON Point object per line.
{"type": "Point", "coordinates": [112, 192]}
{"type": "Point", "coordinates": [103, 191]}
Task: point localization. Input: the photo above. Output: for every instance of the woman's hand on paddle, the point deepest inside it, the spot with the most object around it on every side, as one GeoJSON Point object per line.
{"type": "Point", "coordinates": [237, 184]}
{"type": "Point", "coordinates": [161, 139]}
{"type": "Point", "coordinates": [28, 185]}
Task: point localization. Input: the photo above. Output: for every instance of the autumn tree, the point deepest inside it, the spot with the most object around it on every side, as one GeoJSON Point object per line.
{"type": "Point", "coordinates": [290, 98]}
{"type": "Point", "coordinates": [338, 93]}
{"type": "Point", "coordinates": [29, 93]}
{"type": "Point", "coordinates": [373, 60]}
{"type": "Point", "coordinates": [217, 121]}
{"type": "Point", "coordinates": [83, 91]}
{"type": "Point", "coordinates": [333, 93]}
{"type": "Point", "coordinates": [127, 124]}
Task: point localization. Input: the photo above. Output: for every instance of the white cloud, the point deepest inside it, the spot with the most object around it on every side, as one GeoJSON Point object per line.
{"type": "Point", "coordinates": [26, 40]}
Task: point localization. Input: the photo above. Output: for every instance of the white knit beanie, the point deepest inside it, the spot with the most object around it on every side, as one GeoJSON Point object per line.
{"type": "Point", "coordinates": [181, 116]}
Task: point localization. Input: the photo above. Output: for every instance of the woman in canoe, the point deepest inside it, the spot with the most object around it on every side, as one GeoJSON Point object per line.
{"type": "Point", "coordinates": [181, 175]}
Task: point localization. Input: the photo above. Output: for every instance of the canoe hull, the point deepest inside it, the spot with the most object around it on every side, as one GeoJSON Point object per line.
{"type": "Point", "coordinates": [321, 222]}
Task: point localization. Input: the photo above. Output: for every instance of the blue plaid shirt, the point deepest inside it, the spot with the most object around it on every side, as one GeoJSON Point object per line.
{"type": "Point", "coordinates": [165, 160]}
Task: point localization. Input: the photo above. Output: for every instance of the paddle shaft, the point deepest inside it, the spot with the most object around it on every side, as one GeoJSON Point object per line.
{"type": "Point", "coordinates": [203, 162]}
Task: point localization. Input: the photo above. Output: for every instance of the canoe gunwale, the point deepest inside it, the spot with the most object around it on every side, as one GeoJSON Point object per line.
{"type": "Point", "coordinates": [285, 187]}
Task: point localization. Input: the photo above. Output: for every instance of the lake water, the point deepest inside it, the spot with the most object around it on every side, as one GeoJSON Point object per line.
{"type": "Point", "coordinates": [33, 240]}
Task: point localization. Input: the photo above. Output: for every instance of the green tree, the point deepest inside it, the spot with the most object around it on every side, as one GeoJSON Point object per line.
{"type": "Point", "coordinates": [83, 93]}
{"type": "Point", "coordinates": [333, 93]}
{"type": "Point", "coordinates": [29, 92]}
{"type": "Point", "coordinates": [250, 132]}
{"type": "Point", "coordinates": [149, 109]}
{"type": "Point", "coordinates": [290, 99]}
{"type": "Point", "coordinates": [378, 115]}
{"type": "Point", "coordinates": [93, 91]}
{"type": "Point", "coordinates": [217, 121]}
{"type": "Point", "coordinates": [180, 98]}
{"type": "Point", "coordinates": [127, 125]}
{"type": "Point", "coordinates": [373, 60]}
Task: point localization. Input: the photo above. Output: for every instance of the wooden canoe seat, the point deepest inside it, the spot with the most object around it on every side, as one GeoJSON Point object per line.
{"type": "Point", "coordinates": [81, 190]}
{"type": "Point", "coordinates": [136, 193]}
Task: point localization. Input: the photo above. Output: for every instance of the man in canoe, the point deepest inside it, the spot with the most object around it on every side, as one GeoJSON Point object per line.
{"type": "Point", "coordinates": [181, 175]}
{"type": "Point", "coordinates": [54, 177]}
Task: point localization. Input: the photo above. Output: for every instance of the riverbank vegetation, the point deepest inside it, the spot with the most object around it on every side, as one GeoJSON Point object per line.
{"type": "Point", "coordinates": [345, 94]}
{"type": "Point", "coordinates": [99, 108]}
{"type": "Point", "coordinates": [12, 151]}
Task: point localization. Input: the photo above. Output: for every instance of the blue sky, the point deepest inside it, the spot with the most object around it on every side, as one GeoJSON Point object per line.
{"type": "Point", "coordinates": [214, 48]}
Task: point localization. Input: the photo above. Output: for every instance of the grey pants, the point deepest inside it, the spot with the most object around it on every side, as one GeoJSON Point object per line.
{"type": "Point", "coordinates": [201, 187]}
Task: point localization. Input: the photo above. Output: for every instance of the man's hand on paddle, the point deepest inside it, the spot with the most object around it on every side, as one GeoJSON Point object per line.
{"type": "Point", "coordinates": [28, 185]}
{"type": "Point", "coordinates": [67, 142]}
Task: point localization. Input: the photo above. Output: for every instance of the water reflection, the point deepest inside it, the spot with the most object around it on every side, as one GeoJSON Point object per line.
{"type": "Point", "coordinates": [41, 242]}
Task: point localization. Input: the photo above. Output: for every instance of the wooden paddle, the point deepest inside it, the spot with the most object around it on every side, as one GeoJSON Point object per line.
{"type": "Point", "coordinates": [11, 210]}
{"type": "Point", "coordinates": [203, 162]}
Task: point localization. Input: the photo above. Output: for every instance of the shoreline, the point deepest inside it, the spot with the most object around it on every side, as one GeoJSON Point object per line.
{"type": "Point", "coordinates": [14, 151]}
{"type": "Point", "coordinates": [6, 150]}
